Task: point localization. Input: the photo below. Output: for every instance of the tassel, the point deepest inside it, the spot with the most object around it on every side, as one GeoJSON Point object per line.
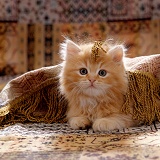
{"type": "Point", "coordinates": [143, 90]}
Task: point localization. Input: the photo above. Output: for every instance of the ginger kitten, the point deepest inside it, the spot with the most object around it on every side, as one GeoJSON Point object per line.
{"type": "Point", "coordinates": [94, 86]}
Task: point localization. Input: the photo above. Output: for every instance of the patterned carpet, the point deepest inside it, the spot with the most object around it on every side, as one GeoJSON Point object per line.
{"type": "Point", "coordinates": [59, 141]}
{"type": "Point", "coordinates": [30, 34]}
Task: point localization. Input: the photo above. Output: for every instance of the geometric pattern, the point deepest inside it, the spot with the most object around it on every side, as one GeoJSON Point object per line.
{"type": "Point", "coordinates": [139, 37]}
{"type": "Point", "coordinates": [27, 47]}
{"type": "Point", "coordinates": [156, 9]}
{"type": "Point", "coordinates": [129, 10]}
{"type": "Point", "coordinates": [8, 48]}
{"type": "Point", "coordinates": [82, 11]}
{"type": "Point", "coordinates": [38, 11]}
{"type": "Point", "coordinates": [9, 10]}
{"type": "Point", "coordinates": [59, 141]}
{"type": "Point", "coordinates": [31, 31]}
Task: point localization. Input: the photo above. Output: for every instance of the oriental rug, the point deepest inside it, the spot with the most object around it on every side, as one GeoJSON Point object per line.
{"type": "Point", "coordinates": [58, 141]}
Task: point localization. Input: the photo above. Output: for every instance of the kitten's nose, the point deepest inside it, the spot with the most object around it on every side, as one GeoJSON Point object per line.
{"type": "Point", "coordinates": [92, 81]}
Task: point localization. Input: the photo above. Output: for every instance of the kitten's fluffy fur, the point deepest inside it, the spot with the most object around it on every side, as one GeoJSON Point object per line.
{"type": "Point", "coordinates": [94, 100]}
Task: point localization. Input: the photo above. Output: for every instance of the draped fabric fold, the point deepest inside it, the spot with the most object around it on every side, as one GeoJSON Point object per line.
{"type": "Point", "coordinates": [35, 97]}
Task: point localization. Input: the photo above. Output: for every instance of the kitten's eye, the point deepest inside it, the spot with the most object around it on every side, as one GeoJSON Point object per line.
{"type": "Point", "coordinates": [102, 73]}
{"type": "Point", "coordinates": [83, 71]}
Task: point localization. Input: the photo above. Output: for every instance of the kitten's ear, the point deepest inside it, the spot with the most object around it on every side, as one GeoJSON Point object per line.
{"type": "Point", "coordinates": [69, 48]}
{"type": "Point", "coordinates": [72, 48]}
{"type": "Point", "coordinates": [105, 45]}
{"type": "Point", "coordinates": [117, 53]}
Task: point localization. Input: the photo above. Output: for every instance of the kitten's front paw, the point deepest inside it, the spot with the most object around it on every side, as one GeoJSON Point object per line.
{"type": "Point", "coordinates": [104, 124]}
{"type": "Point", "coordinates": [79, 122]}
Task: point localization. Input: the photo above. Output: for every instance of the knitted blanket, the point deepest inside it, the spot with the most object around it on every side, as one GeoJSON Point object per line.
{"type": "Point", "coordinates": [34, 96]}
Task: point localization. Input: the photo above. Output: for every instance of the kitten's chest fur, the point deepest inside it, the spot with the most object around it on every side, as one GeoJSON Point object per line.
{"type": "Point", "coordinates": [95, 108]}
{"type": "Point", "coordinates": [89, 102]}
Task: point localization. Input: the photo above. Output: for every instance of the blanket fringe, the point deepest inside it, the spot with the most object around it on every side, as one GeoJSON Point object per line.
{"type": "Point", "coordinates": [141, 98]}
{"type": "Point", "coordinates": [45, 104]}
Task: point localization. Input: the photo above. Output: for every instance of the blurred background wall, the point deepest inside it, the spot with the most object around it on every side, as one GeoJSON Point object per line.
{"type": "Point", "coordinates": [31, 30]}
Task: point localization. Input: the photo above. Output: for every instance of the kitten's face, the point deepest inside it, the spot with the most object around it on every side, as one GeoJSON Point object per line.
{"type": "Point", "coordinates": [83, 75]}
{"type": "Point", "coordinates": [89, 78]}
